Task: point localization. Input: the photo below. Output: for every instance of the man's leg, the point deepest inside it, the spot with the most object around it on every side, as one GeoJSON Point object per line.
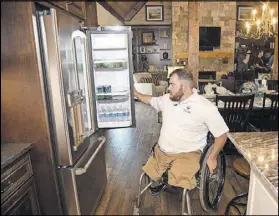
{"type": "Point", "coordinates": [156, 165]}
{"type": "Point", "coordinates": [183, 170]}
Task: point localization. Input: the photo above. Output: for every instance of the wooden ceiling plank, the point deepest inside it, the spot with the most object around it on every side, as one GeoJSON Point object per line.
{"type": "Point", "coordinates": [134, 10]}
{"type": "Point", "coordinates": [119, 7]}
{"type": "Point", "coordinates": [111, 10]}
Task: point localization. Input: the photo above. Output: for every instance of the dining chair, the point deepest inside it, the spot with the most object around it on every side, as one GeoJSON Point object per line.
{"type": "Point", "coordinates": [272, 85]}
{"type": "Point", "coordinates": [269, 117]}
{"type": "Point", "coordinates": [229, 84]}
{"type": "Point", "coordinates": [236, 111]}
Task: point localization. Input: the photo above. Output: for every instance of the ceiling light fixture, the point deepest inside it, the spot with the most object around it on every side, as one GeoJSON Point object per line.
{"type": "Point", "coordinates": [262, 25]}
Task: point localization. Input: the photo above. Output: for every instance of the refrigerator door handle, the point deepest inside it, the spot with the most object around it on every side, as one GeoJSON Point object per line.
{"type": "Point", "coordinates": [80, 171]}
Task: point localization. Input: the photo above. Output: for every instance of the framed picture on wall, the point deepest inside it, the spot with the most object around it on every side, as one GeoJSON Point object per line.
{"type": "Point", "coordinates": [244, 13]}
{"type": "Point", "coordinates": [147, 37]}
{"type": "Point", "coordinates": [142, 50]}
{"type": "Point", "coordinates": [154, 12]}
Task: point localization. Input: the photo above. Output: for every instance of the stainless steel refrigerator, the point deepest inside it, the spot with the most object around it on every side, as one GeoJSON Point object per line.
{"type": "Point", "coordinates": [87, 75]}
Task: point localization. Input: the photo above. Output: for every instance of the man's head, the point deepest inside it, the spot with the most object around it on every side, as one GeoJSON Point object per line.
{"type": "Point", "coordinates": [260, 53]}
{"type": "Point", "coordinates": [181, 84]}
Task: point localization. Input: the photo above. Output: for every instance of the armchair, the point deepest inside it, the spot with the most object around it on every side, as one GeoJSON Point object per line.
{"type": "Point", "coordinates": [149, 88]}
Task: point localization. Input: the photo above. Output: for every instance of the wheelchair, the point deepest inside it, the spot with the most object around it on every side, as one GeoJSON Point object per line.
{"type": "Point", "coordinates": [210, 185]}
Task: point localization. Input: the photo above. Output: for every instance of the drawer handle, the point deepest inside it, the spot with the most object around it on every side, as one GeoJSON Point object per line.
{"type": "Point", "coordinates": [69, 2]}
{"type": "Point", "coordinates": [80, 171]}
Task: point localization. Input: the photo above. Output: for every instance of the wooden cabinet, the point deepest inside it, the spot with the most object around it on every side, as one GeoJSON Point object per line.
{"type": "Point", "coordinates": [18, 193]}
{"type": "Point", "coordinates": [87, 10]}
{"type": "Point", "coordinates": [61, 4]}
{"type": "Point", "coordinates": [77, 8]}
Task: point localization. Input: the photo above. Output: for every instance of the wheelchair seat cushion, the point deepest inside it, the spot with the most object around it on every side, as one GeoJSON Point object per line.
{"type": "Point", "coordinates": [181, 167]}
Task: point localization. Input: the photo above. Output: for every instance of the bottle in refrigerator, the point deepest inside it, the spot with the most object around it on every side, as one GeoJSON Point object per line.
{"type": "Point", "coordinates": [114, 113]}
{"type": "Point", "coordinates": [118, 114]}
{"type": "Point", "coordinates": [121, 113]}
{"type": "Point", "coordinates": [101, 114]}
{"type": "Point", "coordinates": [109, 114]}
{"type": "Point", "coordinates": [127, 114]}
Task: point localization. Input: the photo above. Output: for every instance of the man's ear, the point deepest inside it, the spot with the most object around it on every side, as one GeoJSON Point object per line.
{"type": "Point", "coordinates": [184, 85]}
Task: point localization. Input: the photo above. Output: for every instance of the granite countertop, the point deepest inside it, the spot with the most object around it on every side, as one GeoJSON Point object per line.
{"type": "Point", "coordinates": [11, 151]}
{"type": "Point", "coordinates": [260, 149]}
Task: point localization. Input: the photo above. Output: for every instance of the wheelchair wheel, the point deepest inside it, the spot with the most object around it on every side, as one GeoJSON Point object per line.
{"type": "Point", "coordinates": [211, 186]}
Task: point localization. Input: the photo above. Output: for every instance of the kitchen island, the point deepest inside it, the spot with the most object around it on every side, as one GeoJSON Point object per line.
{"type": "Point", "coordinates": [260, 149]}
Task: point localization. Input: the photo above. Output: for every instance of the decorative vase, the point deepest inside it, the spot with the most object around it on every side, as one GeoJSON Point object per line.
{"type": "Point", "coordinates": [165, 55]}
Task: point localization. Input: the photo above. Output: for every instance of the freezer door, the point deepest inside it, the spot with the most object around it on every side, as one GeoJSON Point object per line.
{"type": "Point", "coordinates": [110, 55]}
{"type": "Point", "coordinates": [84, 184]}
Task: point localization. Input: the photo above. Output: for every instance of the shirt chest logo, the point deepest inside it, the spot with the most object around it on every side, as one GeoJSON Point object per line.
{"type": "Point", "coordinates": [187, 109]}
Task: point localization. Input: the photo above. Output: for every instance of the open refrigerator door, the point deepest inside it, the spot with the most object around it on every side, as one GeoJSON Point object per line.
{"type": "Point", "coordinates": [112, 78]}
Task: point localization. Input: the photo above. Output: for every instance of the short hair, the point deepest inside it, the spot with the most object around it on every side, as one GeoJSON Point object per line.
{"type": "Point", "coordinates": [182, 74]}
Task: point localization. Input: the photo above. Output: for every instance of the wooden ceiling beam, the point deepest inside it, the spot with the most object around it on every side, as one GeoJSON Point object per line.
{"type": "Point", "coordinates": [111, 10]}
{"type": "Point", "coordinates": [134, 10]}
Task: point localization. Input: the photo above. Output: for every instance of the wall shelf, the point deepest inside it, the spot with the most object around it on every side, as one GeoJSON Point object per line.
{"type": "Point", "coordinates": [207, 55]}
{"type": "Point", "coordinates": [148, 45]}
{"type": "Point", "coordinates": [148, 53]}
{"type": "Point", "coordinates": [163, 43]}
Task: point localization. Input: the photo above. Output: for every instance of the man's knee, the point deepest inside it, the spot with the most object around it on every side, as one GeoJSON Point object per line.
{"type": "Point", "coordinates": [151, 171]}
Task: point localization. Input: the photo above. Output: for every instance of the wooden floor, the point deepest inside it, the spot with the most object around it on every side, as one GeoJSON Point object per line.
{"type": "Point", "coordinates": [126, 150]}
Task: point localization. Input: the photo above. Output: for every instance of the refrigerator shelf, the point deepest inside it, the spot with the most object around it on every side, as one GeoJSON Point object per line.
{"type": "Point", "coordinates": [109, 49]}
{"type": "Point", "coordinates": [111, 101]}
{"type": "Point", "coordinates": [114, 124]}
{"type": "Point", "coordinates": [109, 60]}
{"type": "Point", "coordinates": [120, 93]}
{"type": "Point", "coordinates": [109, 69]}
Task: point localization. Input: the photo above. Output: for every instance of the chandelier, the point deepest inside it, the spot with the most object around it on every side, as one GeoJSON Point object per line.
{"type": "Point", "coordinates": [262, 25]}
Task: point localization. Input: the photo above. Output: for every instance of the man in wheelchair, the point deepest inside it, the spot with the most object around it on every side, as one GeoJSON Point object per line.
{"type": "Point", "coordinates": [187, 120]}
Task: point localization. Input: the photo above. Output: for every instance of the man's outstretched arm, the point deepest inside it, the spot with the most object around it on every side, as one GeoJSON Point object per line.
{"type": "Point", "coordinates": [143, 98]}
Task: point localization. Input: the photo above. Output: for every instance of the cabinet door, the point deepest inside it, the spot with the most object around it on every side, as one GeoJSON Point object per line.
{"type": "Point", "coordinates": [77, 8]}
{"type": "Point", "coordinates": [61, 4]}
{"type": "Point", "coordinates": [22, 202]}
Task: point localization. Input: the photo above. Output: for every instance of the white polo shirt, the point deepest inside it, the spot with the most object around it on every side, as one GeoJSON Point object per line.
{"type": "Point", "coordinates": [186, 124]}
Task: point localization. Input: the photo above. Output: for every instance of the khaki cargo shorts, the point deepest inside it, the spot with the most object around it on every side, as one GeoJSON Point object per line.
{"type": "Point", "coordinates": [183, 167]}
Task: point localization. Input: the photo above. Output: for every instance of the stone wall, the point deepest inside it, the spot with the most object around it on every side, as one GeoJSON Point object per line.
{"type": "Point", "coordinates": [179, 28]}
{"type": "Point", "coordinates": [275, 66]}
{"type": "Point", "coordinates": [139, 18]}
{"type": "Point", "coordinates": [221, 14]}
